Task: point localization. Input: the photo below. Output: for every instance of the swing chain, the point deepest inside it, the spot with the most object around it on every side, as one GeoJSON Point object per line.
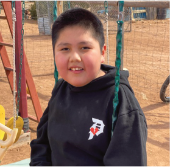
{"type": "Point", "coordinates": [121, 5]}
{"type": "Point", "coordinates": [14, 74]}
{"type": "Point", "coordinates": [13, 11]}
{"type": "Point", "coordinates": [21, 57]}
{"type": "Point", "coordinates": [55, 17]}
{"type": "Point", "coordinates": [68, 2]}
{"type": "Point", "coordinates": [106, 11]}
{"type": "Point", "coordinates": [117, 63]}
{"type": "Point", "coordinates": [106, 6]}
{"type": "Point", "coordinates": [120, 14]}
{"type": "Point", "coordinates": [13, 4]}
{"type": "Point", "coordinates": [106, 21]}
{"type": "Point", "coordinates": [55, 11]}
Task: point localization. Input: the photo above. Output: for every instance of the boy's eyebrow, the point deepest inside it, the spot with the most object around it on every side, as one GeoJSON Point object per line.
{"type": "Point", "coordinates": [66, 44]}
{"type": "Point", "coordinates": [85, 42]}
{"type": "Point", "coordinates": [62, 44]}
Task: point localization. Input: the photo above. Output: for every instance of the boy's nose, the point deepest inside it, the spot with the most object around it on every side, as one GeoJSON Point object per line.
{"type": "Point", "coordinates": [74, 56]}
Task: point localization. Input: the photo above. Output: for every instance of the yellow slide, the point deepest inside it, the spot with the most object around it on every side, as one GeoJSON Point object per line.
{"type": "Point", "coordinates": [2, 121]}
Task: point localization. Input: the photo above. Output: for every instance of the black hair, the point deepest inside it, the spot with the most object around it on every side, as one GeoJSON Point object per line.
{"type": "Point", "coordinates": [80, 17]}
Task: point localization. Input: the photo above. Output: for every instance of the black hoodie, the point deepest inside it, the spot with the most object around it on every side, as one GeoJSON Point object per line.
{"type": "Point", "coordinates": [75, 128]}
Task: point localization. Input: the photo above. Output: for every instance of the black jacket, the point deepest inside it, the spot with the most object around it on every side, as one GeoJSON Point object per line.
{"type": "Point", "coordinates": [75, 129]}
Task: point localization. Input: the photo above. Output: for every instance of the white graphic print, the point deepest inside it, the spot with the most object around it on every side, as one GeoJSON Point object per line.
{"type": "Point", "coordinates": [97, 128]}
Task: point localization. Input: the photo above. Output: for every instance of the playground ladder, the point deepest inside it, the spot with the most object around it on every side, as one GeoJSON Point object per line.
{"type": "Point", "coordinates": [9, 70]}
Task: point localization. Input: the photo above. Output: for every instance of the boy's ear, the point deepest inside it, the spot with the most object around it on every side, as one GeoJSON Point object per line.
{"type": "Point", "coordinates": [103, 54]}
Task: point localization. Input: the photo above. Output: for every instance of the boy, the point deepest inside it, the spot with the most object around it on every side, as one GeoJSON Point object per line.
{"type": "Point", "coordinates": [75, 129]}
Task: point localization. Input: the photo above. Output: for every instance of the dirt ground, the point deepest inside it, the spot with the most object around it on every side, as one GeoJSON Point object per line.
{"type": "Point", "coordinates": [146, 56]}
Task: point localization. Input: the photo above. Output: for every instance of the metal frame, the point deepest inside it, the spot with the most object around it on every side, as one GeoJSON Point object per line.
{"type": "Point", "coordinates": [6, 63]}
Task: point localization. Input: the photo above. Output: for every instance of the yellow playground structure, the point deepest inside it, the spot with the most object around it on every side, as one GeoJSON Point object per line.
{"type": "Point", "coordinates": [8, 134]}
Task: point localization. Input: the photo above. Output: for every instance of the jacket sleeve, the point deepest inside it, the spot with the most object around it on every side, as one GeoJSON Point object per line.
{"type": "Point", "coordinates": [128, 143]}
{"type": "Point", "coordinates": [40, 148]}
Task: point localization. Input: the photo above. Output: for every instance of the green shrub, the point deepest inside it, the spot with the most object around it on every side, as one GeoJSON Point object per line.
{"type": "Point", "coordinates": [33, 11]}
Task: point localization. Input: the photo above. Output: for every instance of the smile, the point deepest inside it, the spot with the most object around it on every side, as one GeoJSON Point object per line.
{"type": "Point", "coordinates": [76, 69]}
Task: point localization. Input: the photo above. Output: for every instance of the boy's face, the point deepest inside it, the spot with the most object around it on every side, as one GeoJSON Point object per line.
{"type": "Point", "coordinates": [78, 56]}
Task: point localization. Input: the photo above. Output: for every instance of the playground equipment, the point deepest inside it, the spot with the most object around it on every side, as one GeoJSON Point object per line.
{"type": "Point", "coordinates": [8, 133]}
{"type": "Point", "coordinates": [2, 121]}
{"type": "Point", "coordinates": [15, 124]}
{"type": "Point", "coordinates": [19, 127]}
{"type": "Point", "coordinates": [25, 72]}
{"type": "Point", "coordinates": [12, 133]}
{"type": "Point", "coordinates": [107, 30]}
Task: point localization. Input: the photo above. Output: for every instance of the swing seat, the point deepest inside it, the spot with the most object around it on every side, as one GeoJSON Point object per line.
{"type": "Point", "coordinates": [10, 123]}
{"type": "Point", "coordinates": [11, 136]}
{"type": "Point", "coordinates": [19, 126]}
{"type": "Point", "coordinates": [2, 121]}
{"type": "Point", "coordinates": [8, 134]}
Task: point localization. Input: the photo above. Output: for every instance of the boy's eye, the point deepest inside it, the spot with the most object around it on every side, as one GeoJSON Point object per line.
{"type": "Point", "coordinates": [85, 48]}
{"type": "Point", "coordinates": [65, 49]}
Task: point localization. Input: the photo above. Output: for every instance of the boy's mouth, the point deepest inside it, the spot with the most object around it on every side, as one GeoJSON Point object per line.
{"type": "Point", "coordinates": [76, 69]}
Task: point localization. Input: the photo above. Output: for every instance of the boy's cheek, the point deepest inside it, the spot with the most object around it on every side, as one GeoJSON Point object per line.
{"type": "Point", "coordinates": [59, 59]}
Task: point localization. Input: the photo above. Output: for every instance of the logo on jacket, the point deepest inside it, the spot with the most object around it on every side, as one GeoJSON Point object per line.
{"type": "Point", "coordinates": [97, 128]}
